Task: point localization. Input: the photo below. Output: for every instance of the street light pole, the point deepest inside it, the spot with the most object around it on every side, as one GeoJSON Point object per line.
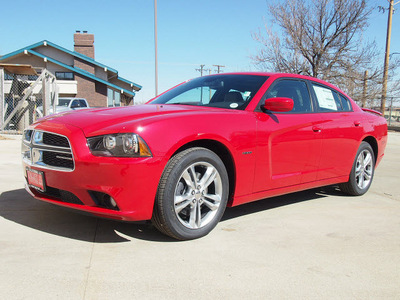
{"type": "Point", "coordinates": [155, 46]}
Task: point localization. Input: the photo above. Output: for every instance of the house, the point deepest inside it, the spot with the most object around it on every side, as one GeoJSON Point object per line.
{"type": "Point", "coordinates": [78, 73]}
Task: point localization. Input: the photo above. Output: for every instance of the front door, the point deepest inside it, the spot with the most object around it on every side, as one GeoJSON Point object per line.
{"type": "Point", "coordinates": [289, 144]}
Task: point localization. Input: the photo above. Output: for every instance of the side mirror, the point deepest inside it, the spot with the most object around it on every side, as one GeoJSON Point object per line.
{"type": "Point", "coordinates": [278, 104]}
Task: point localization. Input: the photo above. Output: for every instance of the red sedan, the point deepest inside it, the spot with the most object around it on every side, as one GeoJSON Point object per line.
{"type": "Point", "coordinates": [208, 143]}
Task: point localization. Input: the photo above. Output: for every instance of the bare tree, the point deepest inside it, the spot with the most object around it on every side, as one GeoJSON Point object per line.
{"type": "Point", "coordinates": [323, 39]}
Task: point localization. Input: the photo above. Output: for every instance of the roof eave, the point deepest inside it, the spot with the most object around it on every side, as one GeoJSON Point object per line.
{"type": "Point", "coordinates": [82, 72]}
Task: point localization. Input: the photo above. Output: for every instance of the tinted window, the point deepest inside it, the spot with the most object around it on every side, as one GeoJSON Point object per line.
{"type": "Point", "coordinates": [329, 100]}
{"type": "Point", "coordinates": [326, 99]}
{"type": "Point", "coordinates": [82, 103]}
{"type": "Point", "coordinates": [294, 89]}
{"type": "Point", "coordinates": [345, 103]}
{"type": "Point", "coordinates": [337, 101]}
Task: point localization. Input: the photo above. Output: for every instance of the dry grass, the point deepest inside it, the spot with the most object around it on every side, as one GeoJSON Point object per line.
{"type": "Point", "coordinates": [3, 138]}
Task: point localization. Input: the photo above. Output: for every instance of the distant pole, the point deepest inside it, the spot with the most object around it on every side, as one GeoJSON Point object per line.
{"type": "Point", "coordinates": [201, 69]}
{"type": "Point", "coordinates": [387, 52]}
{"type": "Point", "coordinates": [365, 86]}
{"type": "Point", "coordinates": [155, 46]}
{"type": "Point", "coordinates": [219, 68]}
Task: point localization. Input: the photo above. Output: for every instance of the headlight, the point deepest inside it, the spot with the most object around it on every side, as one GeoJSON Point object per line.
{"type": "Point", "coordinates": [119, 145]}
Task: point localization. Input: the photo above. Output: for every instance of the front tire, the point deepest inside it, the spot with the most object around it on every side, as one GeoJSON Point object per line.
{"type": "Point", "coordinates": [362, 172]}
{"type": "Point", "coordinates": [192, 194]}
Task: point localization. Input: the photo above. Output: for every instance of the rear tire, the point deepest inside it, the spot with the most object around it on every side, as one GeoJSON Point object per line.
{"type": "Point", "coordinates": [192, 194]}
{"type": "Point", "coordinates": [362, 172]}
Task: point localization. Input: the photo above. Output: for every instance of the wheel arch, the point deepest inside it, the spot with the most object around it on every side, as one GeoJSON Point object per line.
{"type": "Point", "coordinates": [224, 154]}
{"type": "Point", "coordinates": [374, 145]}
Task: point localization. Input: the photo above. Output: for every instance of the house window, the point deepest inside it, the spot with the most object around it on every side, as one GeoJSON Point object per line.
{"type": "Point", "coordinates": [113, 98]}
{"type": "Point", "coordinates": [8, 76]}
{"type": "Point", "coordinates": [65, 75]}
{"type": "Point", "coordinates": [21, 77]}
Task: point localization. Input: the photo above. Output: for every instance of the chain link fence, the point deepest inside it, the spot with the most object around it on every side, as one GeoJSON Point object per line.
{"type": "Point", "coordinates": [392, 113]}
{"type": "Point", "coordinates": [21, 96]}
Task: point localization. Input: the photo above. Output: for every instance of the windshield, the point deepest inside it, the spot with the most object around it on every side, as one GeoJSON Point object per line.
{"type": "Point", "coordinates": [225, 91]}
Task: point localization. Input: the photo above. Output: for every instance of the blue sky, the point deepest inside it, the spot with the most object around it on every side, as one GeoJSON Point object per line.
{"type": "Point", "coordinates": [190, 33]}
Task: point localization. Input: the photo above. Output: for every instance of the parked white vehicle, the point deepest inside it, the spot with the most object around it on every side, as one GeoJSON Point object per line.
{"type": "Point", "coordinates": [66, 104]}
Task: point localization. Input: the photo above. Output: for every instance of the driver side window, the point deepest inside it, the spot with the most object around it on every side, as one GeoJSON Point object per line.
{"type": "Point", "coordinates": [293, 89]}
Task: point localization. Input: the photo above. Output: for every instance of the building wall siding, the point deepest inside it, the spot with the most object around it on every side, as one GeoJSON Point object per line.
{"type": "Point", "coordinates": [56, 54]}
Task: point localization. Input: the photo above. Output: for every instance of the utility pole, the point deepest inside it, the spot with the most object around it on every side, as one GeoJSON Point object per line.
{"type": "Point", "coordinates": [219, 68]}
{"type": "Point", "coordinates": [387, 53]}
{"type": "Point", "coordinates": [201, 69]}
{"type": "Point", "coordinates": [365, 86]}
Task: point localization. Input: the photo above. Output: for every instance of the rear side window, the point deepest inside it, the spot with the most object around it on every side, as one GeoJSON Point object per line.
{"type": "Point", "coordinates": [345, 103]}
{"type": "Point", "coordinates": [329, 100]}
{"type": "Point", "coordinates": [326, 99]}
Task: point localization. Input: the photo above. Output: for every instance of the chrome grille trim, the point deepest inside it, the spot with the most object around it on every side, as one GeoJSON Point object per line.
{"type": "Point", "coordinates": [47, 150]}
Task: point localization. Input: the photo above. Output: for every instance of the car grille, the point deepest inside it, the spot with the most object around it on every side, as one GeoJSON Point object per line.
{"type": "Point", "coordinates": [55, 140]}
{"type": "Point", "coordinates": [47, 150]}
{"type": "Point", "coordinates": [57, 159]}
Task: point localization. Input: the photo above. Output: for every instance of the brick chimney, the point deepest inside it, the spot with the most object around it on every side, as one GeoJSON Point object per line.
{"type": "Point", "coordinates": [84, 43]}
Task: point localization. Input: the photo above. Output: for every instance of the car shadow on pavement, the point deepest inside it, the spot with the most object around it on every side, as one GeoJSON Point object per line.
{"type": "Point", "coordinates": [19, 207]}
{"type": "Point", "coordinates": [284, 200]}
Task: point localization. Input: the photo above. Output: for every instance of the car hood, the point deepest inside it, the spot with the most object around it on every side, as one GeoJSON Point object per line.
{"type": "Point", "coordinates": [102, 121]}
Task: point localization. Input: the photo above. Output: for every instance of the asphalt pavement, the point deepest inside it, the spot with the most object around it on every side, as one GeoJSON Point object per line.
{"type": "Point", "coordinates": [316, 244]}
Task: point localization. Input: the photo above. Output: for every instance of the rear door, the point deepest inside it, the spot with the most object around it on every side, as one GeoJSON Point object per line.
{"type": "Point", "coordinates": [341, 130]}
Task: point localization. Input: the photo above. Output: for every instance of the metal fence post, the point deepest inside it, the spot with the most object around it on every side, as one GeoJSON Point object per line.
{"type": "Point", "coordinates": [45, 99]}
{"type": "Point", "coordinates": [2, 102]}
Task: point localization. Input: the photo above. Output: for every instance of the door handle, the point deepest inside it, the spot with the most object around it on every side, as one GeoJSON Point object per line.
{"type": "Point", "coordinates": [357, 123]}
{"type": "Point", "coordinates": [316, 129]}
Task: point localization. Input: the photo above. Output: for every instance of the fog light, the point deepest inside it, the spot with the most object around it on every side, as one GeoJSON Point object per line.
{"type": "Point", "coordinates": [113, 203]}
{"type": "Point", "coordinates": [104, 200]}
{"type": "Point", "coordinates": [109, 202]}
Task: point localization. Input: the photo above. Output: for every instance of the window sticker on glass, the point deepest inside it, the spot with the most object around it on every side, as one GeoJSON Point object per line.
{"type": "Point", "coordinates": [325, 98]}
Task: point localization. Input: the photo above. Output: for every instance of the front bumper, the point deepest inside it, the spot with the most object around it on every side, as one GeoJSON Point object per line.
{"type": "Point", "coordinates": [131, 182]}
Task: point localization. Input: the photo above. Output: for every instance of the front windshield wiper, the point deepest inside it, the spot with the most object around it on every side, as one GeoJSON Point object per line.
{"type": "Point", "coordinates": [184, 103]}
